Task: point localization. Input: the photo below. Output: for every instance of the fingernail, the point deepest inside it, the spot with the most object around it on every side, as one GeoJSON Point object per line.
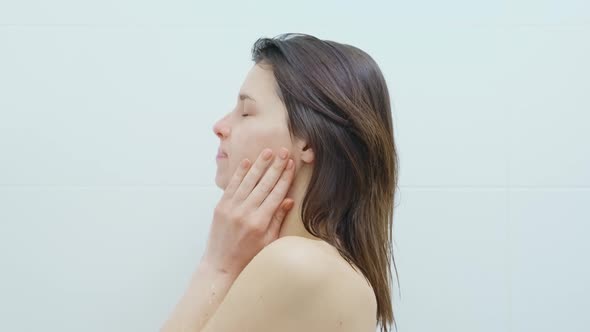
{"type": "Point", "coordinates": [290, 164]}
{"type": "Point", "coordinates": [266, 154]}
{"type": "Point", "coordinates": [245, 163]}
{"type": "Point", "coordinates": [289, 205]}
{"type": "Point", "coordinates": [283, 153]}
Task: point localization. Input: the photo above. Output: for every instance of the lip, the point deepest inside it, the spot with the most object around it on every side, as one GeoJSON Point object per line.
{"type": "Point", "coordinates": [221, 154]}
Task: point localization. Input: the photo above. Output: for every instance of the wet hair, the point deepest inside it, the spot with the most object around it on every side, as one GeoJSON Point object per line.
{"type": "Point", "coordinates": [338, 102]}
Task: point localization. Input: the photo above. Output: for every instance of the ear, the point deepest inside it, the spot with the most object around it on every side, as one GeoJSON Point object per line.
{"type": "Point", "coordinates": [306, 152]}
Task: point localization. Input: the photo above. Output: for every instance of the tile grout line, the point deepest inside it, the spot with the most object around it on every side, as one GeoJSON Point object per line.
{"type": "Point", "coordinates": [508, 250]}
{"type": "Point", "coordinates": [411, 187]}
{"type": "Point", "coordinates": [241, 25]}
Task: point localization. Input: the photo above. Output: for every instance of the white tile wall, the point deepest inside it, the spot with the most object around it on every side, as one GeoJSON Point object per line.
{"type": "Point", "coordinates": [87, 258]}
{"type": "Point", "coordinates": [107, 170]}
{"type": "Point", "coordinates": [549, 259]}
{"type": "Point", "coordinates": [451, 246]}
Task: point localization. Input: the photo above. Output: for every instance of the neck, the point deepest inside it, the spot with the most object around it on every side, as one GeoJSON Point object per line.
{"type": "Point", "coordinates": [293, 224]}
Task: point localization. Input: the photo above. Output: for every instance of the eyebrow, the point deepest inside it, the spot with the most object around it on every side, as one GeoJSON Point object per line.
{"type": "Point", "coordinates": [245, 96]}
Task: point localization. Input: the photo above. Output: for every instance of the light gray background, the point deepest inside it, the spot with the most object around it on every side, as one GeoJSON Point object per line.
{"type": "Point", "coordinates": [107, 154]}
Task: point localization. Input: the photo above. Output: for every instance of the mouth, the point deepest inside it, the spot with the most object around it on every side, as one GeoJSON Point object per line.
{"type": "Point", "coordinates": [221, 154]}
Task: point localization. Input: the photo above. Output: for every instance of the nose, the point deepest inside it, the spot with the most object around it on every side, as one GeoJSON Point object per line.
{"type": "Point", "coordinates": [221, 128]}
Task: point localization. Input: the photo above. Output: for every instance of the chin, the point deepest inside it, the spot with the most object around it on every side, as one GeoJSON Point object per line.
{"type": "Point", "coordinates": [220, 182]}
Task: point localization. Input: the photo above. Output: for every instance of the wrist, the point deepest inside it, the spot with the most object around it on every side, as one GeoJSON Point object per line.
{"type": "Point", "coordinates": [209, 267]}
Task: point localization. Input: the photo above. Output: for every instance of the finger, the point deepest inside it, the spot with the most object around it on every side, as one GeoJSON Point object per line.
{"type": "Point", "coordinates": [253, 175]}
{"type": "Point", "coordinates": [269, 179]}
{"type": "Point", "coordinates": [277, 221]}
{"type": "Point", "coordinates": [278, 193]}
{"type": "Point", "coordinates": [237, 178]}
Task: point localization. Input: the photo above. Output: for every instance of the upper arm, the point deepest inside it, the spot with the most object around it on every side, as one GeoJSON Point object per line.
{"type": "Point", "coordinates": [279, 290]}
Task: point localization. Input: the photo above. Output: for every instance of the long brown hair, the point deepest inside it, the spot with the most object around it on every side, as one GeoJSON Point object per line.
{"type": "Point", "coordinates": [337, 100]}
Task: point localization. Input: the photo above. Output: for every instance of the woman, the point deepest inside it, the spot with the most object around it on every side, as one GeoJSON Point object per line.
{"type": "Point", "coordinates": [301, 239]}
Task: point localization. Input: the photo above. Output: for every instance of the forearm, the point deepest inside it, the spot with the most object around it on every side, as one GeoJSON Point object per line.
{"type": "Point", "coordinates": [206, 290]}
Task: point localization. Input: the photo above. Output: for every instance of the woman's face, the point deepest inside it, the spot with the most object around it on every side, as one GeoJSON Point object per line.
{"type": "Point", "coordinates": [258, 121]}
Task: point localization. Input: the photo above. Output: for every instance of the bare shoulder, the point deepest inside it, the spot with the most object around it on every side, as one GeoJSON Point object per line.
{"type": "Point", "coordinates": [348, 302]}
{"type": "Point", "coordinates": [296, 284]}
{"type": "Point", "coordinates": [297, 254]}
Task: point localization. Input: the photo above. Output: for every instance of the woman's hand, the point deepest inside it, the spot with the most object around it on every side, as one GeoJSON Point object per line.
{"type": "Point", "coordinates": [250, 213]}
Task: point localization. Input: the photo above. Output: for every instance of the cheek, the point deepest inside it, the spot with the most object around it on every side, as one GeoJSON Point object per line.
{"type": "Point", "coordinates": [249, 142]}
{"type": "Point", "coordinates": [248, 145]}
{"type": "Point", "coordinates": [275, 139]}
